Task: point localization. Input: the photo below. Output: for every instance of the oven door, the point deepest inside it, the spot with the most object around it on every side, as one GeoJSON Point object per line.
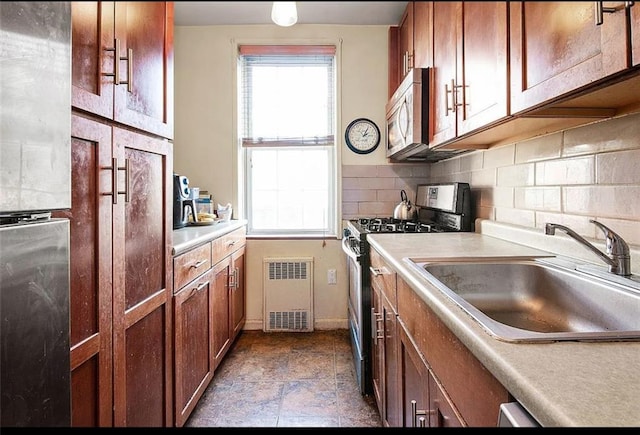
{"type": "Point", "coordinates": [357, 311]}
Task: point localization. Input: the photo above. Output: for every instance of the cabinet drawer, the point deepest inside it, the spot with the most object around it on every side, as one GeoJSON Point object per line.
{"type": "Point", "coordinates": [190, 265]}
{"type": "Point", "coordinates": [228, 244]}
{"type": "Point", "coordinates": [384, 278]}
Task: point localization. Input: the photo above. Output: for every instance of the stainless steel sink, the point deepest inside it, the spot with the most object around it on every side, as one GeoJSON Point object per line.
{"type": "Point", "coordinates": [534, 301]}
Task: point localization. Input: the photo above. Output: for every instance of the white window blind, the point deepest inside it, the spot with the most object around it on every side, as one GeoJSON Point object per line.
{"type": "Point", "coordinates": [287, 123]}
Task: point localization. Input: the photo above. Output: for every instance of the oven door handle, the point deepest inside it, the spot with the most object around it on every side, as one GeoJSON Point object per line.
{"type": "Point", "coordinates": [347, 250]}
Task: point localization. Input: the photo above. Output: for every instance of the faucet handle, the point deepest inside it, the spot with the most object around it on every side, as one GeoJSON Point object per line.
{"type": "Point", "coordinates": [615, 244]}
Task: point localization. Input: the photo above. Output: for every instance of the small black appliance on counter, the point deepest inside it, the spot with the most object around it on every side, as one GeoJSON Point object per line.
{"type": "Point", "coordinates": [183, 204]}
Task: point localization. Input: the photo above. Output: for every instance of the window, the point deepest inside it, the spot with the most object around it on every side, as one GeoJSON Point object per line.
{"type": "Point", "coordinates": [286, 129]}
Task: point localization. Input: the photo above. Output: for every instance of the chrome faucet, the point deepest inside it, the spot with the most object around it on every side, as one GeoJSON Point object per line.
{"type": "Point", "coordinates": [617, 256]}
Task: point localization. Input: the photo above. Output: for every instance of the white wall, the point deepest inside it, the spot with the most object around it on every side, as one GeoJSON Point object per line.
{"type": "Point", "coordinates": [205, 140]}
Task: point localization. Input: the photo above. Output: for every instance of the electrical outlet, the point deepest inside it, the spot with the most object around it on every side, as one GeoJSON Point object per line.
{"type": "Point", "coordinates": [331, 276]}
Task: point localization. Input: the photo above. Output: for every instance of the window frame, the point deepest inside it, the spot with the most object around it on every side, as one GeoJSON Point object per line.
{"type": "Point", "coordinates": [333, 227]}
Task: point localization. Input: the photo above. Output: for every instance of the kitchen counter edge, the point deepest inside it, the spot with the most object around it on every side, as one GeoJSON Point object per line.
{"type": "Point", "coordinates": [189, 237]}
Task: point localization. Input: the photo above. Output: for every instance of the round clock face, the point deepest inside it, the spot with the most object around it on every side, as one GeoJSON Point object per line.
{"type": "Point", "coordinates": [362, 136]}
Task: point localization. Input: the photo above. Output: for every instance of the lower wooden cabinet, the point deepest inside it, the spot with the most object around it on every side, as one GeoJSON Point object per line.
{"type": "Point", "coordinates": [121, 287]}
{"type": "Point", "coordinates": [423, 376]}
{"type": "Point", "coordinates": [209, 313]}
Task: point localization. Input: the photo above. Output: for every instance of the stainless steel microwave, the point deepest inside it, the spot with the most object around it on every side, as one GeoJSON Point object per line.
{"type": "Point", "coordinates": [408, 117]}
{"type": "Point", "coordinates": [409, 121]}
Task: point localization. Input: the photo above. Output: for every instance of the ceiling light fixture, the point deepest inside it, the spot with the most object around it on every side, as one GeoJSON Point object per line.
{"type": "Point", "coordinates": [284, 14]}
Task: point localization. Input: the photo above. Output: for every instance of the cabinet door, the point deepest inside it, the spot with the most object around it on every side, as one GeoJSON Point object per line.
{"type": "Point", "coordinates": [405, 40]}
{"type": "Point", "coordinates": [90, 219]}
{"type": "Point", "coordinates": [92, 48]}
{"type": "Point", "coordinates": [377, 348]}
{"type": "Point", "coordinates": [193, 359]}
{"type": "Point", "coordinates": [220, 324]}
{"type": "Point", "coordinates": [446, 19]}
{"type": "Point", "coordinates": [634, 11]}
{"type": "Point", "coordinates": [414, 382]}
{"type": "Point", "coordinates": [142, 273]}
{"type": "Point", "coordinates": [145, 33]}
{"type": "Point", "coordinates": [391, 399]}
{"type": "Point", "coordinates": [442, 411]}
{"type": "Point", "coordinates": [237, 293]}
{"type": "Point", "coordinates": [556, 48]}
{"type": "Point", "coordinates": [422, 34]}
{"type": "Point", "coordinates": [482, 65]}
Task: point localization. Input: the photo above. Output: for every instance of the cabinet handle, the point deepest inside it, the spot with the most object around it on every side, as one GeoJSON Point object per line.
{"type": "Point", "coordinates": [116, 63]}
{"type": "Point", "coordinates": [233, 279]}
{"type": "Point", "coordinates": [114, 168]}
{"type": "Point", "coordinates": [201, 286]}
{"type": "Point", "coordinates": [446, 99]}
{"type": "Point", "coordinates": [197, 264]}
{"type": "Point", "coordinates": [129, 59]}
{"type": "Point", "coordinates": [231, 243]}
{"type": "Point", "coordinates": [376, 318]}
{"type": "Point", "coordinates": [376, 271]}
{"type": "Point", "coordinates": [415, 413]}
{"type": "Point", "coordinates": [601, 10]}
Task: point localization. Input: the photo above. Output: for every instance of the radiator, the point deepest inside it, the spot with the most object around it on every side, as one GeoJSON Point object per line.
{"type": "Point", "coordinates": [288, 294]}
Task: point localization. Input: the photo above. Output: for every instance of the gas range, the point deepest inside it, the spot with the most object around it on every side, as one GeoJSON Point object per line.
{"type": "Point", "coordinates": [392, 225]}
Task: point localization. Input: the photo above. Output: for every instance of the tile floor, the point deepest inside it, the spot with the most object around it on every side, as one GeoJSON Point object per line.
{"type": "Point", "coordinates": [286, 379]}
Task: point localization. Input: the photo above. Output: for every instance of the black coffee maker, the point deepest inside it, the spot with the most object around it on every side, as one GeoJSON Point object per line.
{"type": "Point", "coordinates": [183, 204]}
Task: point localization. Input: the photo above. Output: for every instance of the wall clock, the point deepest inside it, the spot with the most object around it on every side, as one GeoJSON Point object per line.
{"type": "Point", "coordinates": [362, 136]}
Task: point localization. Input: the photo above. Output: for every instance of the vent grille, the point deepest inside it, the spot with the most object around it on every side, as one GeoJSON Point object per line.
{"type": "Point", "coordinates": [289, 320]}
{"type": "Point", "coordinates": [288, 294]}
{"type": "Point", "coordinates": [287, 270]}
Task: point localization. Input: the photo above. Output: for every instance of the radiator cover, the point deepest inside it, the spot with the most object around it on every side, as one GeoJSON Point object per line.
{"type": "Point", "coordinates": [288, 294]}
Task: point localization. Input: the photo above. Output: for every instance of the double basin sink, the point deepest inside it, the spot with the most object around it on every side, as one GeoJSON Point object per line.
{"type": "Point", "coordinates": [538, 301]}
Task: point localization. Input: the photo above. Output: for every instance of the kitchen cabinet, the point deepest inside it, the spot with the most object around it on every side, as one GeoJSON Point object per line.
{"type": "Point", "coordinates": [121, 322]}
{"type": "Point", "coordinates": [461, 390]}
{"type": "Point", "coordinates": [229, 291]}
{"type": "Point", "coordinates": [193, 305]}
{"type": "Point", "coordinates": [470, 58]}
{"type": "Point", "coordinates": [385, 340]}
{"type": "Point", "coordinates": [414, 383]}
{"type": "Point", "coordinates": [122, 65]}
{"type": "Point", "coordinates": [634, 23]}
{"type": "Point", "coordinates": [410, 42]}
{"type": "Point", "coordinates": [209, 313]}
{"type": "Point", "coordinates": [557, 48]}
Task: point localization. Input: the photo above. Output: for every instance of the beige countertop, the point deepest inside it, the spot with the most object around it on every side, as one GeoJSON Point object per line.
{"type": "Point", "coordinates": [561, 384]}
{"type": "Point", "coordinates": [192, 236]}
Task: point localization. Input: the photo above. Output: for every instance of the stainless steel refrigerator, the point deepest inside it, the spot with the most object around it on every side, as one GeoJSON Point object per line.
{"type": "Point", "coordinates": [35, 179]}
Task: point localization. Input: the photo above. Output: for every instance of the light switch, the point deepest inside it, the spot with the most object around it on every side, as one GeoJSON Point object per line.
{"type": "Point", "coordinates": [331, 276]}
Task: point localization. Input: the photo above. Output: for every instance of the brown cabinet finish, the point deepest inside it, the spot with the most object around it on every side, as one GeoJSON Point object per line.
{"type": "Point", "coordinates": [470, 51]}
{"type": "Point", "coordinates": [190, 265]}
{"type": "Point", "coordinates": [634, 20]}
{"type": "Point", "coordinates": [473, 390]}
{"type": "Point", "coordinates": [422, 34]}
{"type": "Point", "coordinates": [237, 311]}
{"type": "Point", "coordinates": [443, 412]}
{"type": "Point", "coordinates": [405, 41]}
{"type": "Point", "coordinates": [91, 217]}
{"type": "Point", "coordinates": [143, 282]}
{"type": "Point", "coordinates": [193, 305]}
{"type": "Point", "coordinates": [552, 56]}
{"type": "Point", "coordinates": [220, 314]}
{"type": "Point", "coordinates": [135, 86]}
{"type": "Point", "coordinates": [414, 382]}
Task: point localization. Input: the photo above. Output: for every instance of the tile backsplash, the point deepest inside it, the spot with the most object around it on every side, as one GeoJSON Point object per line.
{"type": "Point", "coordinates": [567, 177]}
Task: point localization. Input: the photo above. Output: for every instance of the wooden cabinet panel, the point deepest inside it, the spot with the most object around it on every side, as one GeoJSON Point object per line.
{"type": "Point", "coordinates": [476, 393]}
{"type": "Point", "coordinates": [634, 20]}
{"type": "Point", "coordinates": [193, 344]}
{"type": "Point", "coordinates": [220, 313]}
{"type": "Point", "coordinates": [556, 48]}
{"type": "Point", "coordinates": [470, 56]}
{"type": "Point", "coordinates": [237, 311]}
{"type": "Point", "coordinates": [414, 382]}
{"type": "Point", "coordinates": [422, 34]}
{"type": "Point", "coordinates": [391, 416]}
{"type": "Point", "coordinates": [190, 265]}
{"type": "Point", "coordinates": [225, 245]}
{"type": "Point", "coordinates": [405, 41]}
{"type": "Point", "coordinates": [384, 277]}
{"type": "Point", "coordinates": [134, 86]}
{"type": "Point", "coordinates": [377, 349]}
{"type": "Point", "coordinates": [442, 412]}
{"type": "Point", "coordinates": [143, 282]}
{"type": "Point", "coordinates": [91, 284]}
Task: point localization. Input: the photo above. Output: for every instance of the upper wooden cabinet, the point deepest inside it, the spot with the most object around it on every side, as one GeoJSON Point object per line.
{"type": "Point", "coordinates": [470, 56]}
{"type": "Point", "coordinates": [634, 11]}
{"type": "Point", "coordinates": [405, 40]}
{"type": "Point", "coordinates": [557, 47]}
{"type": "Point", "coordinates": [422, 34]}
{"type": "Point", "coordinates": [122, 67]}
